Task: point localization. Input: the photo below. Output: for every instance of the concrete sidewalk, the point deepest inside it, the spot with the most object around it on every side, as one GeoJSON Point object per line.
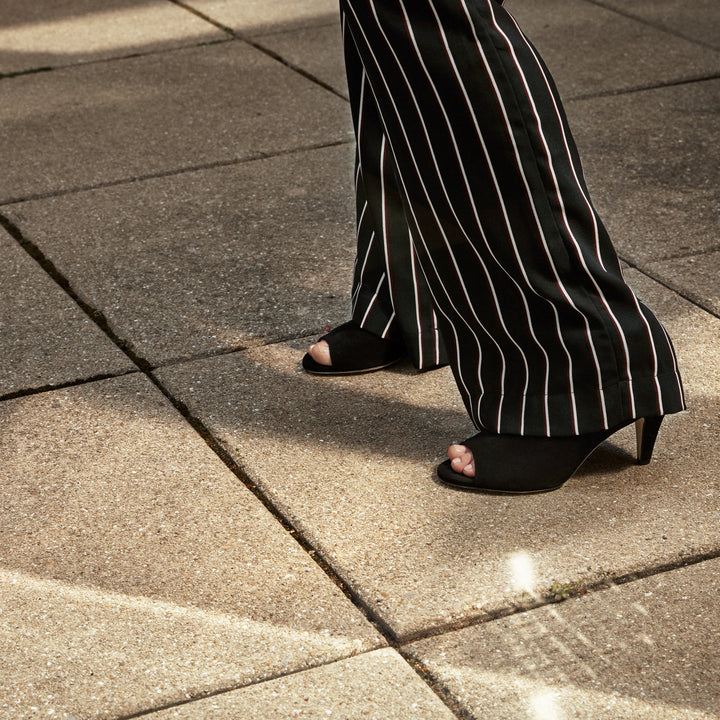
{"type": "Point", "coordinates": [190, 527]}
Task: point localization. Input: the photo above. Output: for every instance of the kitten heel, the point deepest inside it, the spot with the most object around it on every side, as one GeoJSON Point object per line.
{"type": "Point", "coordinates": [646, 430]}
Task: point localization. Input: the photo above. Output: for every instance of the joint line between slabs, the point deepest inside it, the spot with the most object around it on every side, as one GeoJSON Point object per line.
{"type": "Point", "coordinates": [28, 392]}
{"type": "Point", "coordinates": [258, 46]}
{"type": "Point", "coordinates": [437, 686]}
{"type": "Point", "coordinates": [682, 293]}
{"type": "Point", "coordinates": [216, 446]}
{"type": "Point", "coordinates": [114, 58]}
{"type": "Point", "coordinates": [50, 269]}
{"type": "Point", "coordinates": [235, 688]}
{"type": "Point", "coordinates": [695, 79]}
{"type": "Point", "coordinates": [254, 157]}
{"type": "Point", "coordinates": [296, 68]}
{"type": "Point", "coordinates": [652, 24]}
{"type": "Point", "coordinates": [550, 598]}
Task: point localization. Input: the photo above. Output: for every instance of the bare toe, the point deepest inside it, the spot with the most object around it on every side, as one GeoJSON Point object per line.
{"type": "Point", "coordinates": [461, 460]}
{"type": "Point", "coordinates": [320, 353]}
{"type": "Point", "coordinates": [456, 451]}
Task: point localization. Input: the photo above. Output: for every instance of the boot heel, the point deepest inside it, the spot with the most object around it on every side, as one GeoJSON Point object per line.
{"type": "Point", "coordinates": [646, 430]}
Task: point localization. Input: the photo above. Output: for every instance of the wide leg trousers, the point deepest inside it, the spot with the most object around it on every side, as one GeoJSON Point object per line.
{"type": "Point", "coordinates": [477, 239]}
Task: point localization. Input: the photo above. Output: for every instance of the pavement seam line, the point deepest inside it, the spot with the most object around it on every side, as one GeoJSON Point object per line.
{"type": "Point", "coordinates": [29, 392]}
{"type": "Point", "coordinates": [682, 293]}
{"type": "Point", "coordinates": [296, 68]}
{"type": "Point", "coordinates": [435, 685]}
{"type": "Point", "coordinates": [690, 80]}
{"type": "Point", "coordinates": [96, 316]}
{"type": "Point", "coordinates": [439, 687]}
{"type": "Point", "coordinates": [114, 58]}
{"type": "Point", "coordinates": [227, 459]}
{"type": "Point", "coordinates": [254, 157]}
{"type": "Point", "coordinates": [261, 48]}
{"type": "Point", "coordinates": [548, 597]}
{"type": "Point", "coordinates": [651, 23]}
{"type": "Point", "coordinates": [235, 688]}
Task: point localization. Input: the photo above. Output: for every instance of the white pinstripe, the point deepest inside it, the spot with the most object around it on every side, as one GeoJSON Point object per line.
{"type": "Point", "coordinates": [373, 299]}
{"type": "Point", "coordinates": [416, 297]}
{"type": "Point", "coordinates": [384, 222]}
{"type": "Point", "coordinates": [437, 338]}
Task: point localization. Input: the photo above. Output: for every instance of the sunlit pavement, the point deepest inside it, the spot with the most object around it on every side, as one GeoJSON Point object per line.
{"type": "Point", "coordinates": [190, 527]}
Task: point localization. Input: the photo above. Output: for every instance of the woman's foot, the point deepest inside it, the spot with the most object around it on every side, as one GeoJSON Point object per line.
{"type": "Point", "coordinates": [521, 464]}
{"type": "Point", "coordinates": [320, 352]}
{"type": "Point", "coordinates": [350, 350]}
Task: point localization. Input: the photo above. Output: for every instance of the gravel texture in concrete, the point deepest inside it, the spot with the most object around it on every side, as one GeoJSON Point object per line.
{"type": "Point", "coordinates": [358, 456]}
{"type": "Point", "coordinates": [51, 34]}
{"type": "Point", "coordinates": [117, 521]}
{"type": "Point", "coordinates": [642, 651]}
{"type": "Point", "coordinates": [45, 338]}
{"type": "Point", "coordinates": [211, 260]}
{"type": "Point", "coordinates": [169, 111]}
{"type": "Point", "coordinates": [376, 686]}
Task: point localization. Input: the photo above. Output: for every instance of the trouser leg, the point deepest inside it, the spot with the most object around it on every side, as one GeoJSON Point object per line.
{"type": "Point", "coordinates": [389, 296]}
{"type": "Point", "coordinates": [543, 334]}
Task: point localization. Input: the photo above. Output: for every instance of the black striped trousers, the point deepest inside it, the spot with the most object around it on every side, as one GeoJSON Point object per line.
{"type": "Point", "coordinates": [477, 239]}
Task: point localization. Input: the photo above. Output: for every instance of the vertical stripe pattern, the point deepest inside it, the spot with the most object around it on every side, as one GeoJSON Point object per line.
{"type": "Point", "coordinates": [390, 294]}
{"type": "Point", "coordinates": [463, 147]}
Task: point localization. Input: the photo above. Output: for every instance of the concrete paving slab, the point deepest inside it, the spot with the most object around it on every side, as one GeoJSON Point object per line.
{"type": "Point", "coordinates": [46, 338]}
{"type": "Point", "coordinates": [696, 19]}
{"type": "Point", "coordinates": [106, 122]}
{"type": "Point", "coordinates": [351, 461]}
{"type": "Point", "coordinates": [317, 50]}
{"type": "Point", "coordinates": [48, 33]}
{"type": "Point", "coordinates": [591, 49]}
{"type": "Point", "coordinates": [376, 686]}
{"type": "Point", "coordinates": [645, 650]}
{"type": "Point", "coordinates": [652, 162]}
{"type": "Point", "coordinates": [696, 277]}
{"type": "Point", "coordinates": [208, 261]}
{"type": "Point", "coordinates": [136, 570]}
{"type": "Point", "coordinates": [252, 17]}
